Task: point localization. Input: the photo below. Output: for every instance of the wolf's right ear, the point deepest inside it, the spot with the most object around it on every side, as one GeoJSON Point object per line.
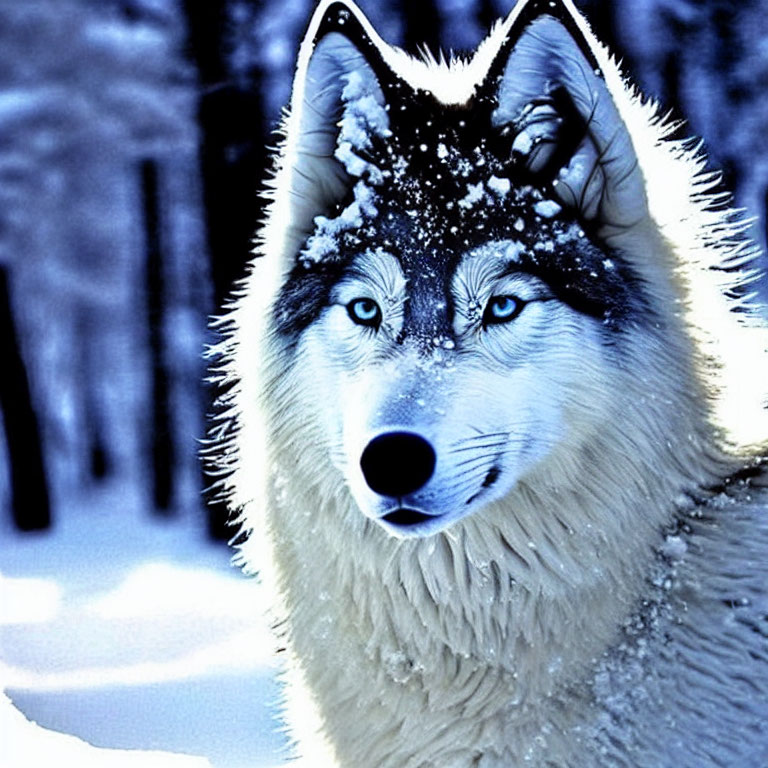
{"type": "Point", "coordinates": [554, 98]}
{"type": "Point", "coordinates": [337, 106]}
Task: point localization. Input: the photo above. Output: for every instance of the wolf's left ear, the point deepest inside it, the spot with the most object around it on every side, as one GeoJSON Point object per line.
{"type": "Point", "coordinates": [560, 114]}
{"type": "Point", "coordinates": [337, 106]}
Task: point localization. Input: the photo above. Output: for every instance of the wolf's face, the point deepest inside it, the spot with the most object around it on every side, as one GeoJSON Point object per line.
{"type": "Point", "coordinates": [458, 288]}
{"type": "Point", "coordinates": [446, 389]}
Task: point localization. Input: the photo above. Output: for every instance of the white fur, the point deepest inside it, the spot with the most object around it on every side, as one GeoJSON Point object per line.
{"type": "Point", "coordinates": [546, 629]}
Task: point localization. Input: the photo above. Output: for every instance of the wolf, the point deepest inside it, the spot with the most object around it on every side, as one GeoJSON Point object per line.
{"type": "Point", "coordinates": [493, 414]}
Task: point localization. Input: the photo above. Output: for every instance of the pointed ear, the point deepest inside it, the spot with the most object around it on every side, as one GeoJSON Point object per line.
{"type": "Point", "coordinates": [555, 105]}
{"type": "Point", "coordinates": [337, 105]}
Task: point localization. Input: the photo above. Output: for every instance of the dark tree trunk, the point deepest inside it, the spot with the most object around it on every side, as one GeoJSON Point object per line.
{"type": "Point", "coordinates": [99, 464]}
{"type": "Point", "coordinates": [423, 26]}
{"type": "Point", "coordinates": [233, 161]}
{"type": "Point", "coordinates": [30, 503]}
{"type": "Point", "coordinates": [162, 451]}
{"type": "Point", "coordinates": [486, 14]}
{"type": "Point", "coordinates": [232, 153]}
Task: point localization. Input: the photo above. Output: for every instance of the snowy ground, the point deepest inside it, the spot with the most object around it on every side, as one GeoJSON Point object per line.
{"type": "Point", "coordinates": [134, 633]}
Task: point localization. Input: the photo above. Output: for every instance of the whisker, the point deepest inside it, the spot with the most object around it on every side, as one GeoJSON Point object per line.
{"type": "Point", "coordinates": [485, 436]}
{"type": "Point", "coordinates": [468, 484]}
{"type": "Point", "coordinates": [481, 435]}
{"type": "Point", "coordinates": [485, 457]}
{"type": "Point", "coordinates": [488, 456]}
{"type": "Point", "coordinates": [479, 465]}
{"type": "Point", "coordinates": [477, 447]}
{"type": "Point", "coordinates": [471, 471]}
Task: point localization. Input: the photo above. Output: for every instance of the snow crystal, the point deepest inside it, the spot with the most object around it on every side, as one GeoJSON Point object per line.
{"type": "Point", "coordinates": [522, 144]}
{"type": "Point", "coordinates": [364, 116]}
{"type": "Point", "coordinates": [463, 167]}
{"type": "Point", "coordinates": [349, 218]}
{"type": "Point", "coordinates": [400, 667]}
{"type": "Point", "coordinates": [321, 244]}
{"type": "Point", "coordinates": [324, 240]}
{"type": "Point", "coordinates": [514, 250]}
{"type": "Point", "coordinates": [364, 108]}
{"type": "Point", "coordinates": [519, 225]}
{"type": "Point", "coordinates": [399, 167]}
{"type": "Point", "coordinates": [499, 186]}
{"type": "Point", "coordinates": [674, 547]}
{"type": "Point", "coordinates": [570, 234]}
{"type": "Point", "coordinates": [354, 129]}
{"type": "Point", "coordinates": [365, 197]}
{"type": "Point", "coordinates": [356, 87]}
{"type": "Point", "coordinates": [474, 194]}
{"type": "Point", "coordinates": [547, 208]}
{"type": "Point", "coordinates": [355, 165]}
{"type": "Point", "coordinates": [442, 151]}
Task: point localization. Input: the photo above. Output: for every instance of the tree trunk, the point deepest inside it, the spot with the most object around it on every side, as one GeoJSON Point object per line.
{"type": "Point", "coordinates": [423, 26]}
{"type": "Point", "coordinates": [162, 449]}
{"type": "Point", "coordinates": [30, 503]}
{"type": "Point", "coordinates": [233, 164]}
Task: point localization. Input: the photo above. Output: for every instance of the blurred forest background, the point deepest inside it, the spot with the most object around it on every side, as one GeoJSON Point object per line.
{"type": "Point", "coordinates": [133, 139]}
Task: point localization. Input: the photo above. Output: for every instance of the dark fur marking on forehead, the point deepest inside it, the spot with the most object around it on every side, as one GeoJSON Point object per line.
{"type": "Point", "coordinates": [592, 280]}
{"type": "Point", "coordinates": [428, 265]}
{"type": "Point", "coordinates": [428, 311]}
{"type": "Point", "coordinates": [588, 278]}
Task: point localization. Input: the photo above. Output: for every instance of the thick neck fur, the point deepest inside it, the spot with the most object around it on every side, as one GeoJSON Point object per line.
{"type": "Point", "coordinates": [490, 625]}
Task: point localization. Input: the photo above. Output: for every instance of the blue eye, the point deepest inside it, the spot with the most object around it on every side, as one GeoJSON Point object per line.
{"type": "Point", "coordinates": [365, 311]}
{"type": "Point", "coordinates": [502, 309]}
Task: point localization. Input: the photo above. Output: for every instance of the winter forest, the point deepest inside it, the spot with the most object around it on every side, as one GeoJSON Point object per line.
{"type": "Point", "coordinates": [134, 143]}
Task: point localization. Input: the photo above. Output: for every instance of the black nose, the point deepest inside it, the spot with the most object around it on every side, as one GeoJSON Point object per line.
{"type": "Point", "coordinates": [397, 463]}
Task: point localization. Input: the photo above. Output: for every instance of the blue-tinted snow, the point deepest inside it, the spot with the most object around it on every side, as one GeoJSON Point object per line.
{"type": "Point", "coordinates": [146, 622]}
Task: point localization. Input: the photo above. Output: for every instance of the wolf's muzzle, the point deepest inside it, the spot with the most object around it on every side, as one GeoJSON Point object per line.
{"type": "Point", "coordinates": [396, 464]}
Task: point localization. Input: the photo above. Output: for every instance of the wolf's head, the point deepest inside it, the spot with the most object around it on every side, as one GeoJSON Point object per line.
{"type": "Point", "coordinates": [477, 282]}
